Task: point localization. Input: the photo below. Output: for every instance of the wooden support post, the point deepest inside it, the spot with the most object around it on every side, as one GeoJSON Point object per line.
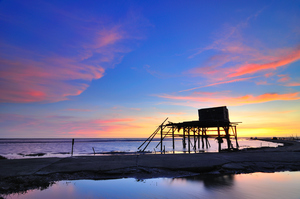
{"type": "Point", "coordinates": [206, 139]}
{"type": "Point", "coordinates": [235, 133]}
{"type": "Point", "coordinates": [226, 129]}
{"type": "Point", "coordinates": [183, 139]}
{"type": "Point", "coordinates": [202, 137]}
{"type": "Point", "coordinates": [173, 139]}
{"type": "Point", "coordinates": [207, 142]}
{"type": "Point", "coordinates": [195, 140]}
{"type": "Point", "coordinates": [189, 141]}
{"type": "Point", "coordinates": [161, 138]}
{"type": "Point", "coordinates": [219, 139]}
{"type": "Point", "coordinates": [198, 138]}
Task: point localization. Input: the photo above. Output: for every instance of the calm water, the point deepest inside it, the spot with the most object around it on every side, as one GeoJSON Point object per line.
{"type": "Point", "coordinates": [28, 148]}
{"type": "Point", "coordinates": [279, 185]}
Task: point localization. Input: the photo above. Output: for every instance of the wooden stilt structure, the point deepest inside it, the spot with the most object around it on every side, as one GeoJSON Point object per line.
{"type": "Point", "coordinates": [212, 123]}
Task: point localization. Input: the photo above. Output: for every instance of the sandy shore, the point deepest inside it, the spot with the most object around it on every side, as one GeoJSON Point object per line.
{"type": "Point", "coordinates": [22, 174]}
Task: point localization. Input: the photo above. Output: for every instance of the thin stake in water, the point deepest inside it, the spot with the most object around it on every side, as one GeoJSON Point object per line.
{"type": "Point", "coordinates": [72, 147]}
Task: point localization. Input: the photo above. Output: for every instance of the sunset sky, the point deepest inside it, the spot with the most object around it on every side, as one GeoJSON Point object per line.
{"type": "Point", "coordinates": [119, 68]}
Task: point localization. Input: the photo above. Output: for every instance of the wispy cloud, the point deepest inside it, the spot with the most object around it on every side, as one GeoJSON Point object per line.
{"type": "Point", "coordinates": [94, 128]}
{"type": "Point", "coordinates": [246, 60]}
{"type": "Point", "coordinates": [293, 84]}
{"type": "Point", "coordinates": [59, 125]}
{"type": "Point", "coordinates": [284, 78]}
{"type": "Point", "coordinates": [157, 73]}
{"type": "Point", "coordinates": [224, 40]}
{"type": "Point", "coordinates": [113, 120]}
{"type": "Point", "coordinates": [173, 113]}
{"type": "Point", "coordinates": [48, 79]}
{"type": "Point", "coordinates": [46, 74]}
{"type": "Point", "coordinates": [262, 83]}
{"type": "Point", "coordinates": [238, 56]}
{"type": "Point", "coordinates": [223, 82]}
{"type": "Point", "coordinates": [292, 56]}
{"type": "Point", "coordinates": [135, 109]}
{"type": "Point", "coordinates": [216, 99]}
{"type": "Point", "coordinates": [78, 110]}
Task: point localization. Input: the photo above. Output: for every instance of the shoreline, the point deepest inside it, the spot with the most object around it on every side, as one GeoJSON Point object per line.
{"type": "Point", "coordinates": [20, 175]}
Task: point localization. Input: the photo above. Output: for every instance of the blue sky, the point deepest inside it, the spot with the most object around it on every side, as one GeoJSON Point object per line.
{"type": "Point", "coordinates": [119, 68]}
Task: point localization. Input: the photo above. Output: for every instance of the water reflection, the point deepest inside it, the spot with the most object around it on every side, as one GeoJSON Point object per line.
{"type": "Point", "coordinates": [214, 181]}
{"type": "Point", "coordinates": [257, 185]}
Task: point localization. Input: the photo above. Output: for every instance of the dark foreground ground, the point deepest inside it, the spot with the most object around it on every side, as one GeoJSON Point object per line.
{"type": "Point", "coordinates": [20, 175]}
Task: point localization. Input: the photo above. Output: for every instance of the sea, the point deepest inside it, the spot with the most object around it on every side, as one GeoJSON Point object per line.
{"type": "Point", "coordinates": [62, 147]}
{"type": "Point", "coordinates": [231, 186]}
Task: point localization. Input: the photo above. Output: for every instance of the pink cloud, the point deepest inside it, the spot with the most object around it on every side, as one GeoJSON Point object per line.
{"type": "Point", "coordinates": [48, 79]}
{"type": "Point", "coordinates": [78, 110]}
{"type": "Point", "coordinates": [50, 75]}
{"type": "Point", "coordinates": [108, 37]}
{"type": "Point", "coordinates": [218, 83]}
{"type": "Point", "coordinates": [135, 109]}
{"type": "Point", "coordinates": [232, 101]}
{"type": "Point", "coordinates": [211, 66]}
{"type": "Point", "coordinates": [284, 78]}
{"type": "Point", "coordinates": [269, 74]}
{"type": "Point", "coordinates": [113, 121]}
{"type": "Point", "coordinates": [246, 61]}
{"type": "Point", "coordinates": [238, 56]}
{"type": "Point", "coordinates": [96, 128]}
{"type": "Point", "coordinates": [173, 113]}
{"type": "Point", "coordinates": [17, 125]}
{"type": "Point", "coordinates": [262, 83]}
{"type": "Point", "coordinates": [293, 55]}
{"type": "Point", "coordinates": [207, 93]}
{"type": "Point", "coordinates": [293, 84]}
{"type": "Point", "coordinates": [26, 80]}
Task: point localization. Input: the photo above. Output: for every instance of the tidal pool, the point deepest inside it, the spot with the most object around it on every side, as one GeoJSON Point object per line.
{"type": "Point", "coordinates": [235, 186]}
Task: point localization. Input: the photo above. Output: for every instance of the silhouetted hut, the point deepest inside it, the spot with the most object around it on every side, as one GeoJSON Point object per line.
{"type": "Point", "coordinates": [211, 120]}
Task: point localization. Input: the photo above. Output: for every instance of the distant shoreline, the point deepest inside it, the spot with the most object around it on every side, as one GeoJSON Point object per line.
{"type": "Point", "coordinates": [22, 174]}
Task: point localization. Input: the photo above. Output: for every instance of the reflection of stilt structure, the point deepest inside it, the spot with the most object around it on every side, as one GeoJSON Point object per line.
{"type": "Point", "coordinates": [212, 123]}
